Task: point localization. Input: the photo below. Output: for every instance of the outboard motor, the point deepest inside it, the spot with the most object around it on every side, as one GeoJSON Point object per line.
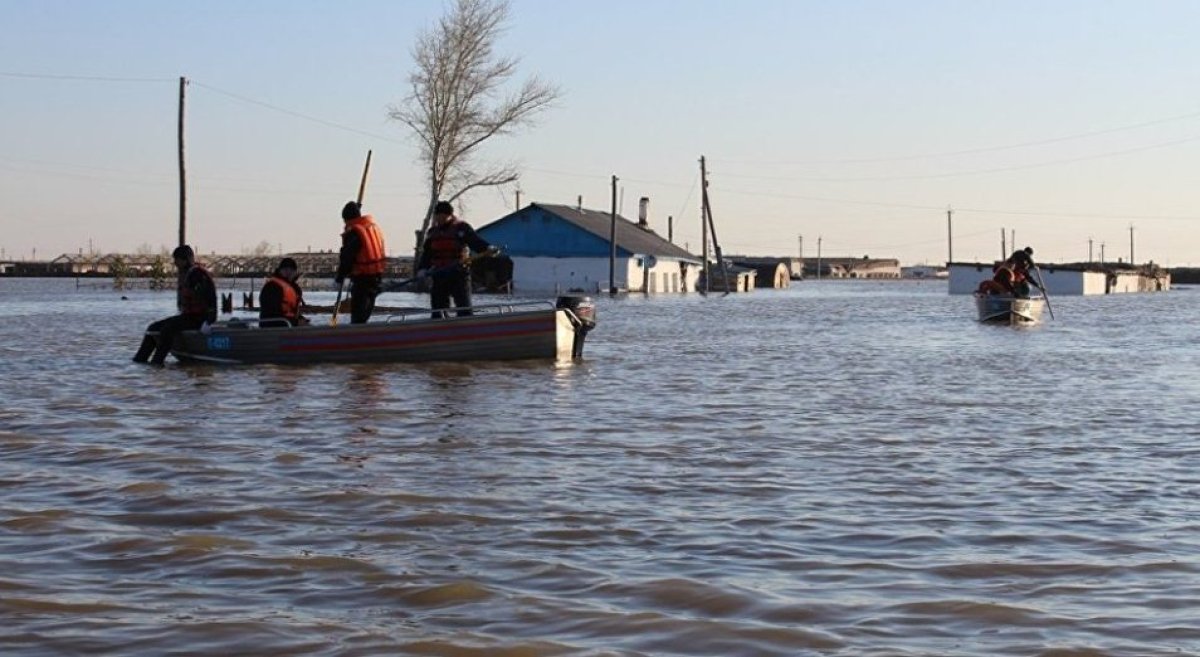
{"type": "Point", "coordinates": [582, 313]}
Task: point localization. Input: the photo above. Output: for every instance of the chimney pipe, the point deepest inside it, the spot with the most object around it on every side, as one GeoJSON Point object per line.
{"type": "Point", "coordinates": [643, 209]}
{"type": "Point", "coordinates": [579, 207]}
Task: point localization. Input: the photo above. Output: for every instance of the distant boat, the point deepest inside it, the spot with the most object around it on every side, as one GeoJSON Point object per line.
{"type": "Point", "coordinates": [1003, 309]}
{"type": "Point", "coordinates": [530, 330]}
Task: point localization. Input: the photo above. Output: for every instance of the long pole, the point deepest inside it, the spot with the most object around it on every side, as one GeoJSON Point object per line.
{"type": "Point", "coordinates": [362, 188]}
{"type": "Point", "coordinates": [1089, 249]}
{"type": "Point", "coordinates": [1131, 244]}
{"type": "Point", "coordinates": [949, 236]}
{"type": "Point", "coordinates": [1003, 246]}
{"type": "Point", "coordinates": [612, 242]}
{"type": "Point", "coordinates": [704, 225]}
{"type": "Point", "coordinates": [518, 200]}
{"type": "Point", "coordinates": [182, 169]}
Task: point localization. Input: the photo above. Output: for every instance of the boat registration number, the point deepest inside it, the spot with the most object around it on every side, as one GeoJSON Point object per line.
{"type": "Point", "coordinates": [219, 342]}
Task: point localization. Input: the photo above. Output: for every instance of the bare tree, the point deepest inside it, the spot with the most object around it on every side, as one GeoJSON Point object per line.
{"type": "Point", "coordinates": [457, 100]}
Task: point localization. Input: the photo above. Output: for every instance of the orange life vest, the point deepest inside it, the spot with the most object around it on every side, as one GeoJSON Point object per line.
{"type": "Point", "coordinates": [289, 307]}
{"type": "Point", "coordinates": [188, 301]}
{"type": "Point", "coordinates": [371, 259]}
{"type": "Point", "coordinates": [445, 246]}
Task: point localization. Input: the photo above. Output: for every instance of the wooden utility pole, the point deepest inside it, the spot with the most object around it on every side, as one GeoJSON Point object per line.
{"type": "Point", "coordinates": [182, 169]}
{"type": "Point", "coordinates": [1003, 246]}
{"type": "Point", "coordinates": [1131, 261]}
{"type": "Point", "coordinates": [518, 199]}
{"type": "Point", "coordinates": [1089, 249]}
{"type": "Point", "coordinates": [949, 236]}
{"type": "Point", "coordinates": [712, 227]}
{"type": "Point", "coordinates": [612, 242]}
{"type": "Point", "coordinates": [704, 226]}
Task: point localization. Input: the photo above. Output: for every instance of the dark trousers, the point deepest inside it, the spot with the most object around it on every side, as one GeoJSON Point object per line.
{"type": "Point", "coordinates": [160, 345]}
{"type": "Point", "coordinates": [454, 285]}
{"type": "Point", "coordinates": [363, 290]}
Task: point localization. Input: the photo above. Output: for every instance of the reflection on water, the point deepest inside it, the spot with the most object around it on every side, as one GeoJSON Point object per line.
{"type": "Point", "coordinates": [849, 468]}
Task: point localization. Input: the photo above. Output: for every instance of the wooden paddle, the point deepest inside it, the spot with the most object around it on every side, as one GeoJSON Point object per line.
{"type": "Point", "coordinates": [1045, 293]}
{"type": "Point", "coordinates": [362, 187]}
{"type": "Point", "coordinates": [396, 286]}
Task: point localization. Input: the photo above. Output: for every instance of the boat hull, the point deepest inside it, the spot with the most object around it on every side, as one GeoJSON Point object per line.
{"type": "Point", "coordinates": [516, 334]}
{"type": "Point", "coordinates": [999, 309]}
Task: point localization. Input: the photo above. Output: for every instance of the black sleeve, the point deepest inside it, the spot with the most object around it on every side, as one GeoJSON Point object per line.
{"type": "Point", "coordinates": [203, 287]}
{"type": "Point", "coordinates": [351, 243]}
{"type": "Point", "coordinates": [426, 256]}
{"type": "Point", "coordinates": [270, 301]}
{"type": "Point", "coordinates": [473, 240]}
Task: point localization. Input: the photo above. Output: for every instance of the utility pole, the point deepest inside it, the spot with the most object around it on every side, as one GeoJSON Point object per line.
{"type": "Point", "coordinates": [1102, 253]}
{"type": "Point", "coordinates": [612, 241]}
{"type": "Point", "coordinates": [818, 257]}
{"type": "Point", "coordinates": [1003, 246]}
{"type": "Point", "coordinates": [518, 198]}
{"type": "Point", "coordinates": [1131, 244]}
{"type": "Point", "coordinates": [704, 225]}
{"type": "Point", "coordinates": [671, 229]}
{"type": "Point", "coordinates": [949, 236]}
{"type": "Point", "coordinates": [182, 169]}
{"type": "Point", "coordinates": [1089, 249]}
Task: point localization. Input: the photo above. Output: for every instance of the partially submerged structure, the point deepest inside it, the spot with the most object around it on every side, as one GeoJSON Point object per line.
{"type": "Point", "coordinates": [1072, 278]}
{"type": "Point", "coordinates": [559, 249]}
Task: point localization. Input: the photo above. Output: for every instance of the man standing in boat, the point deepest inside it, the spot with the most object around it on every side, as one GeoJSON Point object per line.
{"type": "Point", "coordinates": [362, 260]}
{"type": "Point", "coordinates": [281, 297]}
{"type": "Point", "coordinates": [444, 259]}
{"type": "Point", "coordinates": [1012, 277]}
{"type": "Point", "coordinates": [197, 302]}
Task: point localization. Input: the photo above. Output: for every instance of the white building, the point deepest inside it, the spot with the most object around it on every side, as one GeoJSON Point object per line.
{"type": "Point", "coordinates": [558, 248]}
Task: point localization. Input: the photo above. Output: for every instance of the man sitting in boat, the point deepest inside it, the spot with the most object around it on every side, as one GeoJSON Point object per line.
{"type": "Point", "coordinates": [197, 302]}
{"type": "Point", "coordinates": [281, 298]}
{"type": "Point", "coordinates": [1012, 277]}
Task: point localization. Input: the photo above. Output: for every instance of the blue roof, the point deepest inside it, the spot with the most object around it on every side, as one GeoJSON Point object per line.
{"type": "Point", "coordinates": [565, 231]}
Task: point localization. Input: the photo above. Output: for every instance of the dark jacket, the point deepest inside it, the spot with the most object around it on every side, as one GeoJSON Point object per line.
{"type": "Point", "coordinates": [197, 294]}
{"type": "Point", "coordinates": [444, 244]}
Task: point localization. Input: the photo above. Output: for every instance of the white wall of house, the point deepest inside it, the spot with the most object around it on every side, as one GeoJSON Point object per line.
{"type": "Point", "coordinates": [559, 275]}
{"type": "Point", "coordinates": [965, 279]}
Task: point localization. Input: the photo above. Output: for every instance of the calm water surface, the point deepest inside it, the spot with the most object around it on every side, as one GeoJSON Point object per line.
{"type": "Point", "coordinates": [842, 468]}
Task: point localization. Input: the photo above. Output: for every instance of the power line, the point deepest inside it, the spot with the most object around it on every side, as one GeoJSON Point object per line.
{"type": "Point", "coordinates": [985, 149]}
{"type": "Point", "coordinates": [974, 172]}
{"type": "Point", "coordinates": [298, 115]}
{"type": "Point", "coordinates": [81, 78]}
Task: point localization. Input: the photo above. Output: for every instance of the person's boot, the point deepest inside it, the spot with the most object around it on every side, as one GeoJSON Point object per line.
{"type": "Point", "coordinates": [144, 351]}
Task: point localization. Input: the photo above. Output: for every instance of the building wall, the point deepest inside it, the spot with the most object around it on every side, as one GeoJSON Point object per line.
{"type": "Point", "coordinates": [559, 275]}
{"type": "Point", "coordinates": [965, 279]}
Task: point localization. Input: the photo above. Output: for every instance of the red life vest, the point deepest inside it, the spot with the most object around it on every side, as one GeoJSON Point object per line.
{"type": "Point", "coordinates": [445, 246]}
{"type": "Point", "coordinates": [289, 306]}
{"type": "Point", "coordinates": [371, 259]}
{"type": "Point", "coordinates": [188, 301]}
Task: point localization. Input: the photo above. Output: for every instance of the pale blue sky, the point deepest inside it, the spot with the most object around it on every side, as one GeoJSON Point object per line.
{"type": "Point", "coordinates": [858, 122]}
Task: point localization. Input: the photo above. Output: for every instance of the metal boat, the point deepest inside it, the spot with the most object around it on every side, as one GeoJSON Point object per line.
{"type": "Point", "coordinates": [1004, 309]}
{"type": "Point", "coordinates": [552, 330]}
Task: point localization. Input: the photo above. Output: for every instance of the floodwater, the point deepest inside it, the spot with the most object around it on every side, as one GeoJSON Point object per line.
{"type": "Point", "coordinates": [842, 468]}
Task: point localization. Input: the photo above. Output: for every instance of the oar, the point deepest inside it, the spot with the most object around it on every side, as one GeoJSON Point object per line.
{"type": "Point", "coordinates": [395, 286]}
{"type": "Point", "coordinates": [362, 187]}
{"type": "Point", "coordinates": [1045, 292]}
